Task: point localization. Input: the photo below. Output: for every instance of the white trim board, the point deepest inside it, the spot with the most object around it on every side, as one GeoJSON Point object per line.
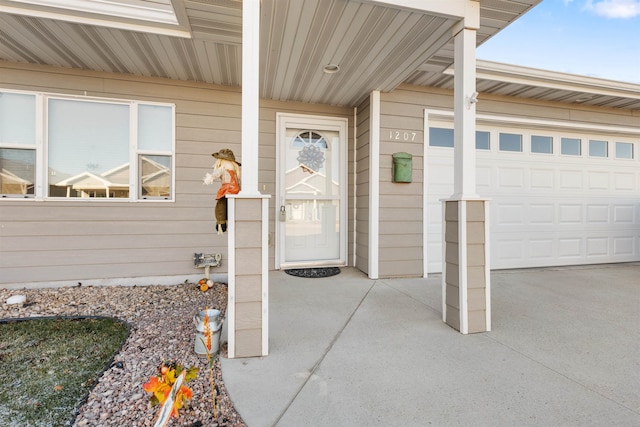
{"type": "Point", "coordinates": [374, 185]}
{"type": "Point", "coordinates": [522, 121]}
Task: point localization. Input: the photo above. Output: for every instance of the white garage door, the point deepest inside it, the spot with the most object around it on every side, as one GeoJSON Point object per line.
{"type": "Point", "coordinates": [570, 198]}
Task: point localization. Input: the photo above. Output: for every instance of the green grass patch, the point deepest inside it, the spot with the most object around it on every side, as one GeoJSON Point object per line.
{"type": "Point", "coordinates": [48, 366]}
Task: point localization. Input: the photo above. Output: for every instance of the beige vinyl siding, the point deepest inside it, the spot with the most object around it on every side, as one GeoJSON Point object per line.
{"type": "Point", "coordinates": [248, 277]}
{"type": "Point", "coordinates": [64, 241]}
{"type": "Point", "coordinates": [361, 260]}
{"type": "Point", "coordinates": [80, 241]}
{"type": "Point", "coordinates": [475, 269]}
{"type": "Point", "coordinates": [452, 265]}
{"type": "Point", "coordinates": [401, 203]}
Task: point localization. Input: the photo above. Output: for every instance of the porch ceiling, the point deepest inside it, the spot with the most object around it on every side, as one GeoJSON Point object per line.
{"type": "Point", "coordinates": [376, 47]}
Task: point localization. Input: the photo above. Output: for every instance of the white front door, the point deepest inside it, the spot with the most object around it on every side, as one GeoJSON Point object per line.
{"type": "Point", "coordinates": [311, 199]}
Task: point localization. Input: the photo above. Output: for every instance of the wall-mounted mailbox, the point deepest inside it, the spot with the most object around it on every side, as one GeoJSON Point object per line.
{"type": "Point", "coordinates": [402, 167]}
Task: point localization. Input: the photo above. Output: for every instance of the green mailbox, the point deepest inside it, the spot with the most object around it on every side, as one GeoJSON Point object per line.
{"type": "Point", "coordinates": [402, 167]}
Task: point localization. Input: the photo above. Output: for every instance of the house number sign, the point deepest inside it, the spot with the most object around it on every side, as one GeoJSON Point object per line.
{"type": "Point", "coordinates": [403, 135]}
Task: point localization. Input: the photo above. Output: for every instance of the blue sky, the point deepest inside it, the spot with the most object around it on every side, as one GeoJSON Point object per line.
{"type": "Point", "coordinates": [598, 38]}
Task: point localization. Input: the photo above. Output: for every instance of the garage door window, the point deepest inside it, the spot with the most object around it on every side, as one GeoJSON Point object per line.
{"type": "Point", "coordinates": [440, 137]}
{"type": "Point", "coordinates": [624, 150]}
{"type": "Point", "coordinates": [541, 144]}
{"type": "Point", "coordinates": [510, 142]}
{"type": "Point", "coordinates": [483, 140]}
{"type": "Point", "coordinates": [570, 146]}
{"type": "Point", "coordinates": [598, 148]}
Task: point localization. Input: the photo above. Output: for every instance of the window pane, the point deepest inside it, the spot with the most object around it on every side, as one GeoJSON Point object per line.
{"type": "Point", "coordinates": [155, 127]}
{"type": "Point", "coordinates": [440, 137]}
{"type": "Point", "coordinates": [510, 142]}
{"type": "Point", "coordinates": [88, 149]}
{"type": "Point", "coordinates": [155, 176]}
{"type": "Point", "coordinates": [541, 144]}
{"type": "Point", "coordinates": [598, 148]}
{"type": "Point", "coordinates": [17, 118]}
{"type": "Point", "coordinates": [482, 140]}
{"type": "Point", "coordinates": [570, 146]}
{"type": "Point", "coordinates": [17, 171]}
{"type": "Point", "coordinates": [624, 150]}
{"type": "Point", "coordinates": [308, 138]}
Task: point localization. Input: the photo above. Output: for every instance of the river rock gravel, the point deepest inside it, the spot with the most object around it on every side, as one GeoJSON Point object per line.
{"type": "Point", "coordinates": [161, 325]}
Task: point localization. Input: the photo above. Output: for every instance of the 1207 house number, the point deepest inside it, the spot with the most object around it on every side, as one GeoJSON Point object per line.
{"type": "Point", "coordinates": [399, 135]}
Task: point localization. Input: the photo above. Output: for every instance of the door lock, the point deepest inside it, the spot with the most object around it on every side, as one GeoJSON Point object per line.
{"type": "Point", "coordinates": [283, 213]}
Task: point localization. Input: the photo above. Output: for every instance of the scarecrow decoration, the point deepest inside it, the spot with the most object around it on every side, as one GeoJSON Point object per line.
{"type": "Point", "coordinates": [227, 170]}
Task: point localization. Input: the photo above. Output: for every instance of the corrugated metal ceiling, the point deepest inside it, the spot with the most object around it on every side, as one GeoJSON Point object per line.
{"type": "Point", "coordinates": [376, 47]}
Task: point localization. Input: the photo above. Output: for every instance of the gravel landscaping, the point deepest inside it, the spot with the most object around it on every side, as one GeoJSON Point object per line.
{"type": "Point", "coordinates": [161, 327]}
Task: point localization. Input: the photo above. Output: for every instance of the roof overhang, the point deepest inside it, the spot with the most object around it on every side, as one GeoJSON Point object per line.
{"type": "Point", "coordinates": [147, 16]}
{"type": "Point", "coordinates": [369, 44]}
{"type": "Point", "coordinates": [525, 82]}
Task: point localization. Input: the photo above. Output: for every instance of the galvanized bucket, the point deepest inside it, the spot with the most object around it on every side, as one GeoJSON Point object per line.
{"type": "Point", "coordinates": [214, 325]}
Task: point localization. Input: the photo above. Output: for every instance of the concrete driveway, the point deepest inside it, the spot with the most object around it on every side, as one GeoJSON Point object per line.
{"type": "Point", "coordinates": [349, 351]}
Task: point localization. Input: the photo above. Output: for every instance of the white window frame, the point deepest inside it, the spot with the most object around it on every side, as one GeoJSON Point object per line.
{"type": "Point", "coordinates": [41, 145]}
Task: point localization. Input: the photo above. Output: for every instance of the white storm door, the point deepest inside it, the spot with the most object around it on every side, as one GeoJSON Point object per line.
{"type": "Point", "coordinates": [311, 200]}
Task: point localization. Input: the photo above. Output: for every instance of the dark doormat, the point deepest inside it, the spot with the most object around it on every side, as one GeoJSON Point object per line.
{"type": "Point", "coordinates": [313, 272]}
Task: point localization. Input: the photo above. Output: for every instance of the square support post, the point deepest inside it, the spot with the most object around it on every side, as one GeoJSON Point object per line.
{"type": "Point", "coordinates": [248, 214]}
{"type": "Point", "coordinates": [466, 283]}
{"type": "Point", "coordinates": [466, 290]}
{"type": "Point", "coordinates": [248, 300]}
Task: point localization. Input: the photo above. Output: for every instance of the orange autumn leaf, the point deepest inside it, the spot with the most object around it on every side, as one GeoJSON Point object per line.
{"type": "Point", "coordinates": [186, 392]}
{"type": "Point", "coordinates": [159, 388]}
{"type": "Point", "coordinates": [152, 385]}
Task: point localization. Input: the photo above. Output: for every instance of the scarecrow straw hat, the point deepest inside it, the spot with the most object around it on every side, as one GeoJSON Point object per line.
{"type": "Point", "coordinates": [226, 154]}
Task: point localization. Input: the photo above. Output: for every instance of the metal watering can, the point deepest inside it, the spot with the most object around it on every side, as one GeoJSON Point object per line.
{"type": "Point", "coordinates": [215, 326]}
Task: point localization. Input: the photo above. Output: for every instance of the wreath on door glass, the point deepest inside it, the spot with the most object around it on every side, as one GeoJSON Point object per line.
{"type": "Point", "coordinates": [310, 156]}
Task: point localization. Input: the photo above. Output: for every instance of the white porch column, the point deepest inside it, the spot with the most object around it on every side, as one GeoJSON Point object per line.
{"type": "Point", "coordinates": [466, 303]}
{"type": "Point", "coordinates": [248, 215]}
{"type": "Point", "coordinates": [464, 110]}
{"type": "Point", "coordinates": [250, 95]}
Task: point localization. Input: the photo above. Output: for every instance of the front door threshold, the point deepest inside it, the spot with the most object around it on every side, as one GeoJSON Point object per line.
{"type": "Point", "coordinates": [318, 264]}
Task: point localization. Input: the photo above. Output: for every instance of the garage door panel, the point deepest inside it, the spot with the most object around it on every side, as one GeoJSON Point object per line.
{"type": "Point", "coordinates": [509, 248]}
{"type": "Point", "coordinates": [597, 246]}
{"type": "Point", "coordinates": [511, 178]}
{"type": "Point", "coordinates": [434, 253]}
{"type": "Point", "coordinates": [510, 213]}
{"type": "Point", "coordinates": [623, 245]}
{"type": "Point", "coordinates": [599, 181]}
{"type": "Point", "coordinates": [440, 174]}
{"type": "Point", "coordinates": [623, 214]}
{"type": "Point", "coordinates": [570, 248]}
{"type": "Point", "coordinates": [570, 180]}
{"type": "Point", "coordinates": [542, 249]}
{"type": "Point", "coordinates": [541, 213]}
{"type": "Point", "coordinates": [542, 179]}
{"type": "Point", "coordinates": [569, 213]}
{"type": "Point", "coordinates": [624, 181]}
{"type": "Point", "coordinates": [483, 177]}
{"type": "Point", "coordinates": [597, 214]}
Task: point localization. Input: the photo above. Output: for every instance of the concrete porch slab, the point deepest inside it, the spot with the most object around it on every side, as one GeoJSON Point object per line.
{"type": "Point", "coordinates": [349, 351]}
